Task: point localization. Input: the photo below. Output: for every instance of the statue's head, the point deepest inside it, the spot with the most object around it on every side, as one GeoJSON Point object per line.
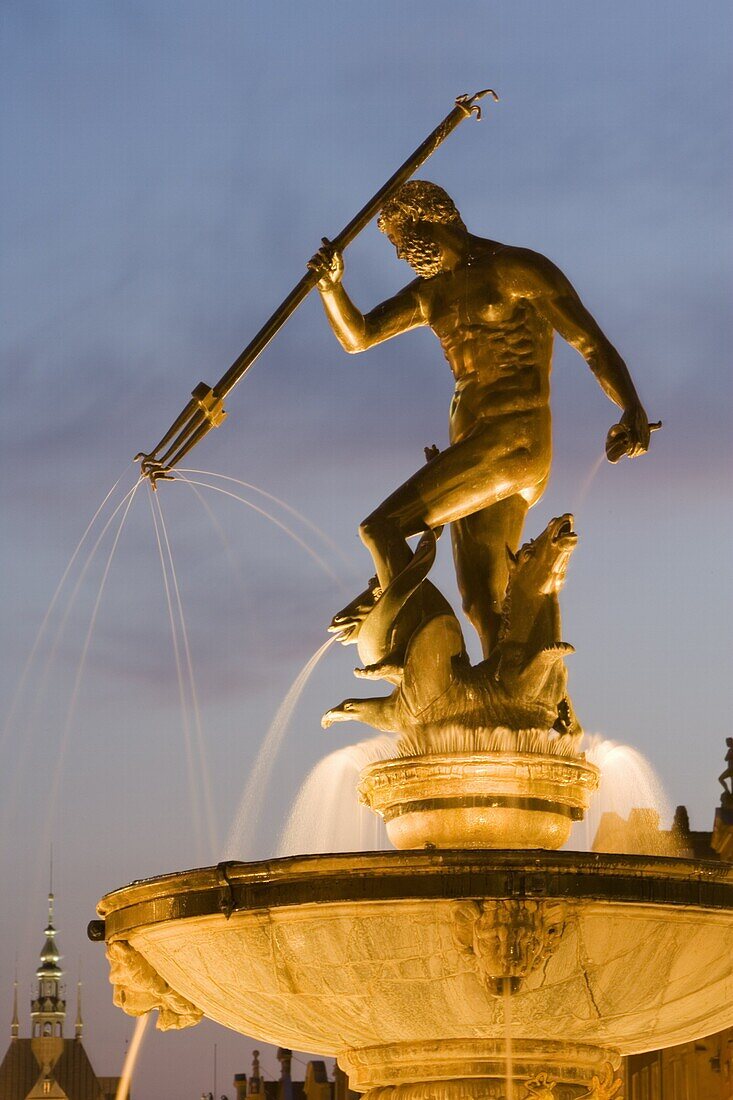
{"type": "Point", "coordinates": [406, 218]}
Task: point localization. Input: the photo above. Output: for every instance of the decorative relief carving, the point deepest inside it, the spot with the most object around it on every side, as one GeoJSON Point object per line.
{"type": "Point", "coordinates": [481, 1088]}
{"type": "Point", "coordinates": [541, 1087]}
{"type": "Point", "coordinates": [606, 1087]}
{"type": "Point", "coordinates": [506, 939]}
{"type": "Point", "coordinates": [138, 989]}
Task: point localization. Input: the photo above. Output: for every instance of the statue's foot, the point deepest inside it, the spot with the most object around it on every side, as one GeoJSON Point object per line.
{"type": "Point", "coordinates": [382, 670]}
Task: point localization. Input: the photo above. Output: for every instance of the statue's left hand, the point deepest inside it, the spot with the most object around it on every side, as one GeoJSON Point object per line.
{"type": "Point", "coordinates": [631, 435]}
{"type": "Point", "coordinates": [638, 430]}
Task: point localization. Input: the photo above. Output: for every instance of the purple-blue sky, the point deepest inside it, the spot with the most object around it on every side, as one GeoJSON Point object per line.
{"type": "Point", "coordinates": [167, 169]}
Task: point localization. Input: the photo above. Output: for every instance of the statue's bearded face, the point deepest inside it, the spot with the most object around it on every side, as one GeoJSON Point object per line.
{"type": "Point", "coordinates": [414, 243]}
{"type": "Point", "coordinates": [411, 219]}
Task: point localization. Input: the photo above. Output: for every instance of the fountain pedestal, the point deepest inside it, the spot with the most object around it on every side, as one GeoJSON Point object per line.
{"type": "Point", "coordinates": [479, 800]}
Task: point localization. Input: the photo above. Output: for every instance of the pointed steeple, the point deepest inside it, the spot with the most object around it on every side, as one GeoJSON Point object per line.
{"type": "Point", "coordinates": [14, 1023]}
{"type": "Point", "coordinates": [48, 1008]}
{"type": "Point", "coordinates": [79, 1025]}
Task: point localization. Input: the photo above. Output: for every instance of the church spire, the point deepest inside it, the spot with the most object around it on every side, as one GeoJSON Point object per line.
{"type": "Point", "coordinates": [79, 1025]}
{"type": "Point", "coordinates": [48, 1008]}
{"type": "Point", "coordinates": [14, 1023]}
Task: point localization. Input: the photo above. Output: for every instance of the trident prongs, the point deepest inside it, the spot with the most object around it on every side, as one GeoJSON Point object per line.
{"type": "Point", "coordinates": [153, 469]}
{"type": "Point", "coordinates": [467, 103]}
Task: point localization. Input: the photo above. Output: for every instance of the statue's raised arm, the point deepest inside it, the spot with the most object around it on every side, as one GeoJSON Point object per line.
{"type": "Point", "coordinates": [354, 330]}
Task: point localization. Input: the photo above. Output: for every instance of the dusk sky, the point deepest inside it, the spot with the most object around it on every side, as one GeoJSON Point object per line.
{"type": "Point", "coordinates": [167, 170]}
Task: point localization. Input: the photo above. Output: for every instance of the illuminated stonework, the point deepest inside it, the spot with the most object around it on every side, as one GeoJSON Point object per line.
{"type": "Point", "coordinates": [390, 961]}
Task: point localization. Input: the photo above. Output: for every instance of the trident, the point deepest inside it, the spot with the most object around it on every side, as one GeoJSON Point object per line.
{"type": "Point", "coordinates": [205, 410]}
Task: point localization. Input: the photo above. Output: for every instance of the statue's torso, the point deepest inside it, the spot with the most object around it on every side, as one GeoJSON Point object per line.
{"type": "Point", "coordinates": [497, 343]}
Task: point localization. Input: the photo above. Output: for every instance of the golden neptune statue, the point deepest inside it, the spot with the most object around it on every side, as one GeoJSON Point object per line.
{"type": "Point", "coordinates": [494, 308]}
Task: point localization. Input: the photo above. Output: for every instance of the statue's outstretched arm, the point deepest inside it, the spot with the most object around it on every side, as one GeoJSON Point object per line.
{"type": "Point", "coordinates": [558, 301]}
{"type": "Point", "coordinates": [354, 330]}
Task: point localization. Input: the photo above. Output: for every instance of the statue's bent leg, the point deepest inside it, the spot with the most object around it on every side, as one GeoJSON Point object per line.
{"type": "Point", "coordinates": [479, 551]}
{"type": "Point", "coordinates": [466, 478]}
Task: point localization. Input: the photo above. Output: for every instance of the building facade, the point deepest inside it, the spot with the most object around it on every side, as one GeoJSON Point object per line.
{"type": "Point", "coordinates": [49, 1066]}
{"type": "Point", "coordinates": [702, 1070]}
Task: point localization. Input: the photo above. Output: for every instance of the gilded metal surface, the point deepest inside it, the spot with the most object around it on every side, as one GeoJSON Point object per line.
{"type": "Point", "coordinates": [391, 876]}
{"type": "Point", "coordinates": [479, 800]}
{"type": "Point", "coordinates": [494, 309]}
{"type": "Point", "coordinates": [409, 636]}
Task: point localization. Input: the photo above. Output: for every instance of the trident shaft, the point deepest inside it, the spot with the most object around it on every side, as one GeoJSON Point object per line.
{"type": "Point", "coordinates": [205, 410]}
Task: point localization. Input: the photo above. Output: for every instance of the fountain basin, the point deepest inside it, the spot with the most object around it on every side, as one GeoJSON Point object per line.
{"type": "Point", "coordinates": [387, 960]}
{"type": "Point", "coordinates": [480, 799]}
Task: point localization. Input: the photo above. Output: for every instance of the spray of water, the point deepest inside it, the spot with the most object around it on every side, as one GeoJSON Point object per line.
{"type": "Point", "coordinates": [327, 815]}
{"type": "Point", "coordinates": [203, 766]}
{"type": "Point", "coordinates": [273, 519]}
{"type": "Point", "coordinates": [123, 1089]}
{"type": "Point", "coordinates": [193, 791]}
{"type": "Point", "coordinates": [219, 528]}
{"type": "Point", "coordinates": [40, 683]}
{"type": "Point", "coordinates": [586, 484]}
{"type": "Point", "coordinates": [73, 700]}
{"type": "Point", "coordinates": [250, 804]}
{"type": "Point", "coordinates": [508, 1046]}
{"type": "Point", "coordinates": [628, 782]}
{"type": "Point", "coordinates": [18, 693]}
{"type": "Point", "coordinates": [314, 528]}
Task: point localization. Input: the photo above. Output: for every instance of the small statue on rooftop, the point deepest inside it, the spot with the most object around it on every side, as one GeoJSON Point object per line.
{"type": "Point", "coordinates": [726, 799]}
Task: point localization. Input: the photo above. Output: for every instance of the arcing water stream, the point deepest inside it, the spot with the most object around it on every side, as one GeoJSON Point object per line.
{"type": "Point", "coordinates": [326, 816]}
{"type": "Point", "coordinates": [628, 782]}
{"type": "Point", "coordinates": [133, 1051]}
{"type": "Point", "coordinates": [312, 527]}
{"type": "Point", "coordinates": [253, 795]}
{"type": "Point", "coordinates": [32, 688]}
{"type": "Point", "coordinates": [320, 561]}
{"type": "Point", "coordinates": [195, 749]}
{"type": "Point", "coordinates": [508, 1048]}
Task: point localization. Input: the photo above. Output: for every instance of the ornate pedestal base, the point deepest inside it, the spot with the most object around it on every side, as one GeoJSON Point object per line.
{"type": "Point", "coordinates": [479, 800]}
{"type": "Point", "coordinates": [473, 1069]}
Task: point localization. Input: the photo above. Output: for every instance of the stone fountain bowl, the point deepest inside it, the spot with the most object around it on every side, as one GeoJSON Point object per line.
{"type": "Point", "coordinates": [394, 961]}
